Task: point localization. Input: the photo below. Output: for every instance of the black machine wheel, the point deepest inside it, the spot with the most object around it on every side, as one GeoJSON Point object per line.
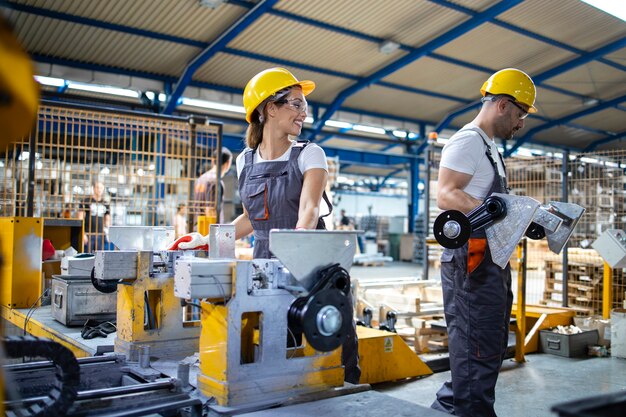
{"type": "Point", "coordinates": [452, 229]}
{"type": "Point", "coordinates": [312, 318]}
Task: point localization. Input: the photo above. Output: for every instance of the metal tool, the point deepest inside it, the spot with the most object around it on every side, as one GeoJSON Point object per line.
{"type": "Point", "coordinates": [506, 219]}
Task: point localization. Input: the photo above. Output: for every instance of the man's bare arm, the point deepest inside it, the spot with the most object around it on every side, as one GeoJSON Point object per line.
{"type": "Point", "coordinates": [450, 194]}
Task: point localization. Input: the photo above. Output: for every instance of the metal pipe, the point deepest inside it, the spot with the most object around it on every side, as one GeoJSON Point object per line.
{"type": "Point", "coordinates": [104, 392]}
{"type": "Point", "coordinates": [182, 373]}
{"type": "Point", "coordinates": [564, 198]}
{"type": "Point", "coordinates": [218, 184]}
{"type": "Point", "coordinates": [29, 366]}
{"type": "Point", "coordinates": [144, 356]}
{"type": "Point", "coordinates": [195, 404]}
{"type": "Point", "coordinates": [520, 334]}
{"type": "Point", "coordinates": [427, 162]}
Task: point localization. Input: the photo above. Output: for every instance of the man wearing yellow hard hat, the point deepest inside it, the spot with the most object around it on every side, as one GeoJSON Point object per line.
{"type": "Point", "coordinates": [477, 292]}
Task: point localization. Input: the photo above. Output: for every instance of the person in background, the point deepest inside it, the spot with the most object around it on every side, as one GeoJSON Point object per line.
{"type": "Point", "coordinates": [205, 187]}
{"type": "Point", "coordinates": [477, 293]}
{"type": "Point", "coordinates": [95, 211]}
{"type": "Point", "coordinates": [180, 220]}
{"type": "Point", "coordinates": [344, 221]}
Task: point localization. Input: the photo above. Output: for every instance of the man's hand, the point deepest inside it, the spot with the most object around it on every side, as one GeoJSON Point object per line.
{"type": "Point", "coordinates": [190, 241]}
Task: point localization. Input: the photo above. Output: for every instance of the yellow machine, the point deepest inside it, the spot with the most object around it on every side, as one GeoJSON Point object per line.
{"type": "Point", "coordinates": [142, 272]}
{"type": "Point", "coordinates": [272, 329]}
{"type": "Point", "coordinates": [21, 281]}
{"type": "Point", "coordinates": [18, 108]}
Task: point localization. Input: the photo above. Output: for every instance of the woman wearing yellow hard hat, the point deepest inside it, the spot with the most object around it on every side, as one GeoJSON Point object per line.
{"type": "Point", "coordinates": [282, 180]}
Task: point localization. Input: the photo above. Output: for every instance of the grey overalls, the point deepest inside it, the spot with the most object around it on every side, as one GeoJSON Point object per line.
{"type": "Point", "coordinates": [270, 192]}
{"type": "Point", "coordinates": [477, 307]}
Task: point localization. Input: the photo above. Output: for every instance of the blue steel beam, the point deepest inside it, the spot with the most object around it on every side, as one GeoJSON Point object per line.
{"type": "Point", "coordinates": [374, 39]}
{"type": "Point", "coordinates": [412, 56]}
{"type": "Point", "coordinates": [203, 45]}
{"type": "Point", "coordinates": [194, 43]}
{"type": "Point", "coordinates": [168, 80]}
{"type": "Point", "coordinates": [216, 46]}
{"type": "Point", "coordinates": [592, 146]}
{"type": "Point", "coordinates": [541, 78]}
{"type": "Point", "coordinates": [563, 120]}
{"type": "Point", "coordinates": [199, 44]}
{"type": "Point", "coordinates": [38, 11]}
{"type": "Point", "coordinates": [528, 33]}
{"type": "Point", "coordinates": [584, 59]}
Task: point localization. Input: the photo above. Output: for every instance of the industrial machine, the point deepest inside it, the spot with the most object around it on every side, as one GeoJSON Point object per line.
{"type": "Point", "coordinates": [142, 272]}
{"type": "Point", "coordinates": [506, 219]}
{"type": "Point", "coordinates": [60, 385]}
{"type": "Point", "coordinates": [271, 328]}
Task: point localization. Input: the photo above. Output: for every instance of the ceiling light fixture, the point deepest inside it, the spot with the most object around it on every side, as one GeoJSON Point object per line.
{"type": "Point", "coordinates": [388, 47]}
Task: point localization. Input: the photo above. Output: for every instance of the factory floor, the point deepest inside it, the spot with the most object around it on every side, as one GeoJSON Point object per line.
{"type": "Point", "coordinates": [523, 390]}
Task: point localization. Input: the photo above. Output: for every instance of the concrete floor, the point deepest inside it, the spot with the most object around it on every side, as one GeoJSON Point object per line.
{"type": "Point", "coordinates": [532, 388]}
{"type": "Point", "coordinates": [523, 390]}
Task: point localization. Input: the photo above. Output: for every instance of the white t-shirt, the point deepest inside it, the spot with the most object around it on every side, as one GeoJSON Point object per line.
{"type": "Point", "coordinates": [465, 152]}
{"type": "Point", "coordinates": [312, 156]}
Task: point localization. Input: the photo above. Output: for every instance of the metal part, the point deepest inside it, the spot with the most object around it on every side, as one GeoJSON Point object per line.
{"type": "Point", "coordinates": [182, 373]}
{"type": "Point", "coordinates": [256, 321]}
{"type": "Point", "coordinates": [506, 218]}
{"type": "Point", "coordinates": [222, 241]}
{"type": "Point", "coordinates": [446, 226]}
{"type": "Point", "coordinates": [611, 245]}
{"type": "Point", "coordinates": [492, 209]}
{"type": "Point", "coordinates": [571, 214]}
{"type": "Point", "coordinates": [535, 231]}
{"type": "Point", "coordinates": [503, 234]}
{"type": "Point", "coordinates": [329, 320]}
{"type": "Point", "coordinates": [304, 252]}
{"type": "Point", "coordinates": [203, 278]}
{"type": "Point", "coordinates": [545, 217]}
{"type": "Point", "coordinates": [144, 357]}
{"type": "Point", "coordinates": [152, 238]}
{"type": "Point", "coordinates": [308, 315]}
{"type": "Point", "coordinates": [367, 316]}
{"type": "Point", "coordinates": [115, 265]}
{"type": "Point", "coordinates": [107, 387]}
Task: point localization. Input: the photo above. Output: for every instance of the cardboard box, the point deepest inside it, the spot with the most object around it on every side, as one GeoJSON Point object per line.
{"type": "Point", "coordinates": [568, 345]}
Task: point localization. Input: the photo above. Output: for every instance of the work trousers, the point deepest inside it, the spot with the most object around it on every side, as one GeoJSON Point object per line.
{"type": "Point", "coordinates": [477, 308]}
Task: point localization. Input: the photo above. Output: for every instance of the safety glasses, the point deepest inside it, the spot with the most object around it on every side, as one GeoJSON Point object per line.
{"type": "Point", "coordinates": [524, 113]}
{"type": "Point", "coordinates": [295, 104]}
{"type": "Point", "coordinates": [521, 116]}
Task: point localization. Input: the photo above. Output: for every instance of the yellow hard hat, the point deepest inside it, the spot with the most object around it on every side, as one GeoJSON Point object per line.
{"type": "Point", "coordinates": [19, 92]}
{"type": "Point", "coordinates": [514, 83]}
{"type": "Point", "coordinates": [268, 82]}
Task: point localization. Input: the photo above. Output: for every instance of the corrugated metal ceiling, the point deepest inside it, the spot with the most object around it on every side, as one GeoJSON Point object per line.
{"type": "Point", "coordinates": [336, 43]}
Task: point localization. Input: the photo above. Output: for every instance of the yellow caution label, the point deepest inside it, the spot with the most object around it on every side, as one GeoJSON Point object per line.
{"type": "Point", "coordinates": [388, 344]}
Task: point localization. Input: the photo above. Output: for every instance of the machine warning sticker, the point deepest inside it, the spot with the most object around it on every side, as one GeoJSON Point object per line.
{"type": "Point", "coordinates": [388, 344]}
